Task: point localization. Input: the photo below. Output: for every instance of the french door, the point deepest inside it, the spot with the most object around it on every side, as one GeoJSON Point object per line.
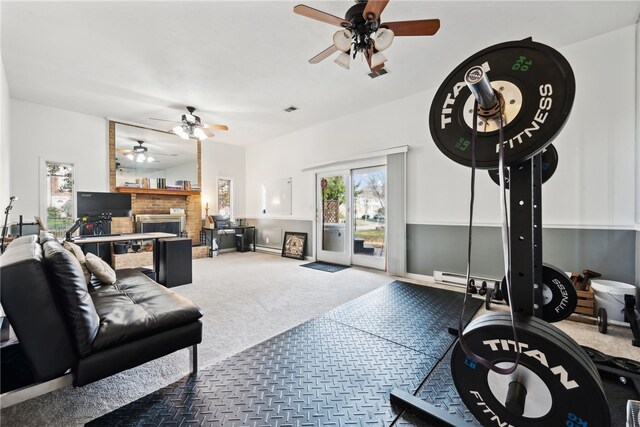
{"type": "Point", "coordinates": [351, 217]}
{"type": "Point", "coordinates": [333, 221]}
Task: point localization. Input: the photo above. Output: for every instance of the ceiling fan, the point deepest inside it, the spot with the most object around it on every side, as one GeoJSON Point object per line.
{"type": "Point", "coordinates": [139, 153]}
{"type": "Point", "coordinates": [362, 31]}
{"type": "Point", "coordinates": [192, 126]}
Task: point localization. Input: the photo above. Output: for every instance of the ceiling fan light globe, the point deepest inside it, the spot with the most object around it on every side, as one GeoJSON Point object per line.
{"type": "Point", "coordinates": [383, 38]}
{"type": "Point", "coordinates": [198, 133]}
{"type": "Point", "coordinates": [342, 40]}
{"type": "Point", "coordinates": [377, 59]}
{"type": "Point", "coordinates": [181, 132]}
{"type": "Point", "coordinates": [140, 158]}
{"type": "Point", "coordinates": [150, 159]}
{"type": "Point", "coordinates": [130, 156]}
{"type": "Point", "coordinates": [343, 60]}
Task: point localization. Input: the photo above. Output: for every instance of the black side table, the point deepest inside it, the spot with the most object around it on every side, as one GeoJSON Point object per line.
{"type": "Point", "coordinates": [175, 261]}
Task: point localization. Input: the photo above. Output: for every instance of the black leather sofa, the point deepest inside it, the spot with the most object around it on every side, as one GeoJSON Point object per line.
{"type": "Point", "coordinates": [92, 331]}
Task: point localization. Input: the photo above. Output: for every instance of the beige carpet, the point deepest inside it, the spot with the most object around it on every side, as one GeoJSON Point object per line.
{"type": "Point", "coordinates": [246, 298]}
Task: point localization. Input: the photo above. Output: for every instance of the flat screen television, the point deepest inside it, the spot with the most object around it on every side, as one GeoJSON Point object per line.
{"type": "Point", "coordinates": [93, 203]}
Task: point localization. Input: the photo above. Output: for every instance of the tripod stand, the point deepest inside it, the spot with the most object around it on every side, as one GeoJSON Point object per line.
{"type": "Point", "coordinates": [6, 218]}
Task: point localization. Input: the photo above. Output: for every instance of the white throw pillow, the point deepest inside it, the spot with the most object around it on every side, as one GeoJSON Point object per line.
{"type": "Point", "coordinates": [100, 269]}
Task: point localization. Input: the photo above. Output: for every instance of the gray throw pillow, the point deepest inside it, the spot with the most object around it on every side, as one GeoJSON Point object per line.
{"type": "Point", "coordinates": [100, 269]}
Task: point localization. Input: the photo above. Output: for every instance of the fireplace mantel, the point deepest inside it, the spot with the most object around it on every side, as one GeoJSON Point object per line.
{"type": "Point", "coordinates": [136, 190]}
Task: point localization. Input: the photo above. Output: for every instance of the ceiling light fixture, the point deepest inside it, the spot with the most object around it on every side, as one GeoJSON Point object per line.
{"type": "Point", "coordinates": [192, 127]}
{"type": "Point", "coordinates": [139, 154]}
{"type": "Point", "coordinates": [183, 131]}
{"type": "Point", "coordinates": [364, 32]}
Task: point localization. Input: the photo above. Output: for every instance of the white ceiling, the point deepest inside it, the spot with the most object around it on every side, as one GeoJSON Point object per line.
{"type": "Point", "coordinates": [242, 62]}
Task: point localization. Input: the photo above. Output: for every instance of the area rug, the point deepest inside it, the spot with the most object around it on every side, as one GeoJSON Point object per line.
{"type": "Point", "coordinates": [325, 266]}
{"type": "Point", "coordinates": [335, 369]}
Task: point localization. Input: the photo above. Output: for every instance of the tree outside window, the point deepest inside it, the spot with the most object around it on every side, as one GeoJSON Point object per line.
{"type": "Point", "coordinates": [59, 196]}
{"type": "Point", "coordinates": [224, 197]}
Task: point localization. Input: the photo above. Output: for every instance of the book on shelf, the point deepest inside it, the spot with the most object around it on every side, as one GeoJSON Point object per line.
{"type": "Point", "coordinates": [184, 184]}
{"type": "Point", "coordinates": [144, 182]}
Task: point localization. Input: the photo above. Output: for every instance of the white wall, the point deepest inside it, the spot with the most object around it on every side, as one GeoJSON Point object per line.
{"type": "Point", "coordinates": [593, 186]}
{"type": "Point", "coordinates": [5, 137]}
{"type": "Point", "coordinates": [40, 132]}
{"type": "Point", "coordinates": [224, 161]}
{"type": "Point", "coordinates": [183, 172]}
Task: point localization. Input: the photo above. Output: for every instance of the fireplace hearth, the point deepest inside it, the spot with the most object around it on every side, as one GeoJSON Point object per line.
{"type": "Point", "coordinates": [167, 223]}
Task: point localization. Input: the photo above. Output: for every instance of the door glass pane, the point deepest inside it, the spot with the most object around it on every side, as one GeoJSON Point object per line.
{"type": "Point", "coordinates": [369, 214]}
{"type": "Point", "coordinates": [59, 197]}
{"type": "Point", "coordinates": [334, 212]}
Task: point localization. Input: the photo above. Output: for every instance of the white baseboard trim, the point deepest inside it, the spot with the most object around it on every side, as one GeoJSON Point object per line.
{"type": "Point", "coordinates": [421, 277]}
{"type": "Point", "coordinates": [267, 249]}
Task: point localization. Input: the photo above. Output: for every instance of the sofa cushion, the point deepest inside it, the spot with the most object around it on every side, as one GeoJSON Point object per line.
{"type": "Point", "coordinates": [103, 271]}
{"type": "Point", "coordinates": [45, 236]}
{"type": "Point", "coordinates": [66, 275]}
{"type": "Point", "coordinates": [136, 307]}
{"type": "Point", "coordinates": [32, 238]}
{"type": "Point", "coordinates": [27, 298]}
{"type": "Point", "coordinates": [77, 252]}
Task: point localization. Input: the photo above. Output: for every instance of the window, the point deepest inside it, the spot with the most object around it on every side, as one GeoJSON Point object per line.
{"type": "Point", "coordinates": [224, 197]}
{"type": "Point", "coordinates": [59, 197]}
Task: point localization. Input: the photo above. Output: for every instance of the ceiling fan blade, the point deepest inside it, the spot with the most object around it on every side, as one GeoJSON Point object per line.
{"type": "Point", "coordinates": [373, 9]}
{"type": "Point", "coordinates": [206, 132]}
{"type": "Point", "coordinates": [424, 27]}
{"type": "Point", "coordinates": [319, 15]}
{"type": "Point", "coordinates": [217, 127]}
{"type": "Point", "coordinates": [163, 120]}
{"type": "Point", "coordinates": [122, 150]}
{"type": "Point", "coordinates": [324, 54]}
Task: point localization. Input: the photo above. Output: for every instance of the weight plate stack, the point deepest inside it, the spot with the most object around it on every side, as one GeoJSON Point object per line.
{"type": "Point", "coordinates": [559, 296]}
{"type": "Point", "coordinates": [549, 165]}
{"type": "Point", "coordinates": [555, 383]}
{"type": "Point", "coordinates": [537, 87]}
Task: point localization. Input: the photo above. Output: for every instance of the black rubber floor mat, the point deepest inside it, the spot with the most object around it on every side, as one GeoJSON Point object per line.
{"type": "Point", "coordinates": [415, 316]}
{"type": "Point", "coordinates": [319, 373]}
{"type": "Point", "coordinates": [325, 266]}
{"type": "Point", "coordinates": [440, 391]}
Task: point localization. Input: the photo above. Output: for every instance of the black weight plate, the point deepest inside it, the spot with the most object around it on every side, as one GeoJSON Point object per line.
{"type": "Point", "coordinates": [547, 85]}
{"type": "Point", "coordinates": [563, 387]}
{"type": "Point", "coordinates": [552, 330]}
{"type": "Point", "coordinates": [626, 364]}
{"type": "Point", "coordinates": [560, 297]}
{"type": "Point", "coordinates": [595, 355]}
{"type": "Point", "coordinates": [603, 321]}
{"type": "Point", "coordinates": [549, 165]}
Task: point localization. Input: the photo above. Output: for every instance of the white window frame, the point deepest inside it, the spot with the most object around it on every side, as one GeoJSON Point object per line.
{"type": "Point", "coordinates": [42, 199]}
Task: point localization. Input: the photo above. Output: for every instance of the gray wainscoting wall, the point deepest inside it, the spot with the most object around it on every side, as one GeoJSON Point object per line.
{"type": "Point", "coordinates": [613, 253]}
{"type": "Point", "coordinates": [270, 232]}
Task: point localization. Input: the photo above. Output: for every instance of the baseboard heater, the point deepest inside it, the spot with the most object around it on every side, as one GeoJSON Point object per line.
{"type": "Point", "coordinates": [449, 278]}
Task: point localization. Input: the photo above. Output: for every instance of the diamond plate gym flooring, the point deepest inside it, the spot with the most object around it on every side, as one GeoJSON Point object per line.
{"type": "Point", "coordinates": [335, 370]}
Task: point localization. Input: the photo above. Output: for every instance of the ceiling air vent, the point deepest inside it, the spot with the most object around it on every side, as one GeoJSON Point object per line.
{"type": "Point", "coordinates": [290, 109]}
{"type": "Point", "coordinates": [375, 74]}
